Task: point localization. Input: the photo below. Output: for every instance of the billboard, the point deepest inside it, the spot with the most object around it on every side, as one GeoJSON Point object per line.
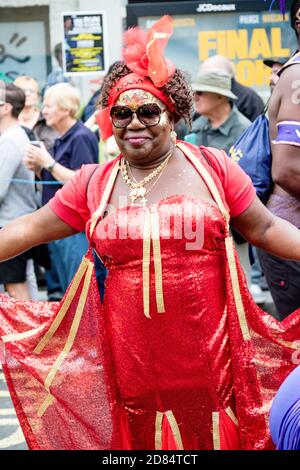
{"type": "Point", "coordinates": [246, 37]}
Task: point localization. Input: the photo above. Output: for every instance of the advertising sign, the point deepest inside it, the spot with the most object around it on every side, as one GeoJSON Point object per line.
{"type": "Point", "coordinates": [84, 43]}
{"type": "Point", "coordinates": [246, 38]}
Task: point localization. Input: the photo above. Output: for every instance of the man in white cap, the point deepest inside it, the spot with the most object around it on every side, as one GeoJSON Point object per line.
{"type": "Point", "coordinates": [220, 123]}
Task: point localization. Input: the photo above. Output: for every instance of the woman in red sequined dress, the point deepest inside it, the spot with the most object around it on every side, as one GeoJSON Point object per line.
{"type": "Point", "coordinates": [178, 356]}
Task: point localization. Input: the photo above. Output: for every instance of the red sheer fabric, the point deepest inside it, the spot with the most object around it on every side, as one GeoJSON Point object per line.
{"type": "Point", "coordinates": [185, 378]}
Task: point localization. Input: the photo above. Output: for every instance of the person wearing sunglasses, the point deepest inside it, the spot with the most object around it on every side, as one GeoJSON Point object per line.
{"type": "Point", "coordinates": [178, 355]}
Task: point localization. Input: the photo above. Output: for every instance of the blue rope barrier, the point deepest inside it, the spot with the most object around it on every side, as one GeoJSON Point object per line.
{"type": "Point", "coordinates": [20, 181]}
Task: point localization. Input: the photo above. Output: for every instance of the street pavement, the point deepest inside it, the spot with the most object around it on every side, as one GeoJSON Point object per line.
{"type": "Point", "coordinates": [11, 436]}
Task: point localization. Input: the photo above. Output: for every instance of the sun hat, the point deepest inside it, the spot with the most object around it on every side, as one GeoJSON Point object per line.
{"type": "Point", "coordinates": [214, 81]}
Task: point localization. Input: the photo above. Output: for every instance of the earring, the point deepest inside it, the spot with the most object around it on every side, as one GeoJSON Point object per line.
{"type": "Point", "coordinates": [173, 137]}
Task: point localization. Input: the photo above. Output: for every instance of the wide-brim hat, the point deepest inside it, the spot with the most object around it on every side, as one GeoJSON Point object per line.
{"type": "Point", "coordinates": [214, 81]}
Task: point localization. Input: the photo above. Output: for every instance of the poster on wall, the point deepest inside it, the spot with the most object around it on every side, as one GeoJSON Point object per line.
{"type": "Point", "coordinates": [84, 43]}
{"type": "Point", "coordinates": [246, 38]}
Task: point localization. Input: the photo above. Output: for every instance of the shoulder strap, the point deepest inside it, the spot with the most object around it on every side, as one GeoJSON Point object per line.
{"type": "Point", "coordinates": [105, 195]}
{"type": "Point", "coordinates": [89, 178]}
{"type": "Point", "coordinates": [207, 178]}
{"type": "Point", "coordinates": [228, 240]}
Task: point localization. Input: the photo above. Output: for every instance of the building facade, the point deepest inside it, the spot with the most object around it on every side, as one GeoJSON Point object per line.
{"type": "Point", "coordinates": [30, 29]}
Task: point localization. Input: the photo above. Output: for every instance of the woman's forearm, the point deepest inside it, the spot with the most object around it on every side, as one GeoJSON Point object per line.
{"type": "Point", "coordinates": [30, 230]}
{"type": "Point", "coordinates": [264, 230]}
{"type": "Point", "coordinates": [282, 239]}
{"type": "Point", "coordinates": [13, 240]}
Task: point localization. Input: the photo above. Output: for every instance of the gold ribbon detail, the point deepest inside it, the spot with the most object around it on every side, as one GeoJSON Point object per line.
{"type": "Point", "coordinates": [105, 197]}
{"type": "Point", "coordinates": [231, 415]}
{"type": "Point", "coordinates": [87, 270]}
{"type": "Point", "coordinates": [151, 232]}
{"type": "Point", "coordinates": [174, 428]}
{"type": "Point", "coordinates": [208, 180]}
{"type": "Point", "coordinates": [65, 306]}
{"type": "Point", "coordinates": [236, 288]}
{"type": "Point", "coordinates": [158, 430]}
{"type": "Point", "coordinates": [157, 261]}
{"type": "Point", "coordinates": [146, 263]}
{"type": "Point", "coordinates": [228, 240]}
{"type": "Point", "coordinates": [19, 336]}
{"type": "Point", "coordinates": [216, 430]}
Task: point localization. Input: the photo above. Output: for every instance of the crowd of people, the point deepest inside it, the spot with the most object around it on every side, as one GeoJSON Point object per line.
{"type": "Point", "coordinates": [156, 342]}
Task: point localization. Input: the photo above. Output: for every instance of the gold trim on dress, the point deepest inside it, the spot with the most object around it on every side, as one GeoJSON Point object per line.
{"type": "Point", "coordinates": [70, 340]}
{"type": "Point", "coordinates": [216, 430]}
{"type": "Point", "coordinates": [174, 428]}
{"type": "Point", "coordinates": [231, 415]}
{"type": "Point", "coordinates": [46, 403]}
{"type": "Point", "coordinates": [236, 289]}
{"type": "Point", "coordinates": [208, 180]}
{"type": "Point", "coordinates": [158, 430]}
{"type": "Point", "coordinates": [157, 261]}
{"type": "Point", "coordinates": [65, 306]}
{"type": "Point", "coordinates": [105, 197]}
{"type": "Point", "coordinates": [19, 336]}
{"type": "Point", "coordinates": [151, 233]}
{"type": "Point", "coordinates": [228, 240]}
{"type": "Point", "coordinates": [146, 263]}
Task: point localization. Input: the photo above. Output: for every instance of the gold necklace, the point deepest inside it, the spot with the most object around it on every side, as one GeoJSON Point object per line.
{"type": "Point", "coordinates": [137, 188]}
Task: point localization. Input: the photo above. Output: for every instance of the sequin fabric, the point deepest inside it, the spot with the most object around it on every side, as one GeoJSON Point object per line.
{"type": "Point", "coordinates": [185, 376]}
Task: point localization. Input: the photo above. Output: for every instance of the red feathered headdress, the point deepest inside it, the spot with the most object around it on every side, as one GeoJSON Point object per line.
{"type": "Point", "coordinates": [143, 55]}
{"type": "Point", "coordinates": [143, 52]}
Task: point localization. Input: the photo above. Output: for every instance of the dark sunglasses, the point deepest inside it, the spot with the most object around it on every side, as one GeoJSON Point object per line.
{"type": "Point", "coordinates": [148, 114]}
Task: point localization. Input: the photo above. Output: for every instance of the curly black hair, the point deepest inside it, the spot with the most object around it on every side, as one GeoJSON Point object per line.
{"type": "Point", "coordinates": [177, 89]}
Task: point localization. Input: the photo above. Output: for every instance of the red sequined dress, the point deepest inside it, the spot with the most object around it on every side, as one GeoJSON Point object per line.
{"type": "Point", "coordinates": [177, 357]}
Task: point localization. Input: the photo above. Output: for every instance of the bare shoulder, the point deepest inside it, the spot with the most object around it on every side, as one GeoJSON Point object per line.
{"type": "Point", "coordinates": [289, 80]}
{"type": "Point", "coordinates": [287, 94]}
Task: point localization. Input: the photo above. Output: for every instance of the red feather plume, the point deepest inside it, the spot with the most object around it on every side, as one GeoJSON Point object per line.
{"type": "Point", "coordinates": [143, 51]}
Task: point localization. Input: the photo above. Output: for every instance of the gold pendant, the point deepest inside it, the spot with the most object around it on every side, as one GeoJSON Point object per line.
{"type": "Point", "coordinates": [136, 193]}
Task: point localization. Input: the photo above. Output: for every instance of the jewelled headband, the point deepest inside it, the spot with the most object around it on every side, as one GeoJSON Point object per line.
{"type": "Point", "coordinates": [143, 53]}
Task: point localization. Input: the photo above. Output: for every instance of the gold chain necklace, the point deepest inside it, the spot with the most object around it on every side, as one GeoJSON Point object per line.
{"type": "Point", "coordinates": [137, 188]}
